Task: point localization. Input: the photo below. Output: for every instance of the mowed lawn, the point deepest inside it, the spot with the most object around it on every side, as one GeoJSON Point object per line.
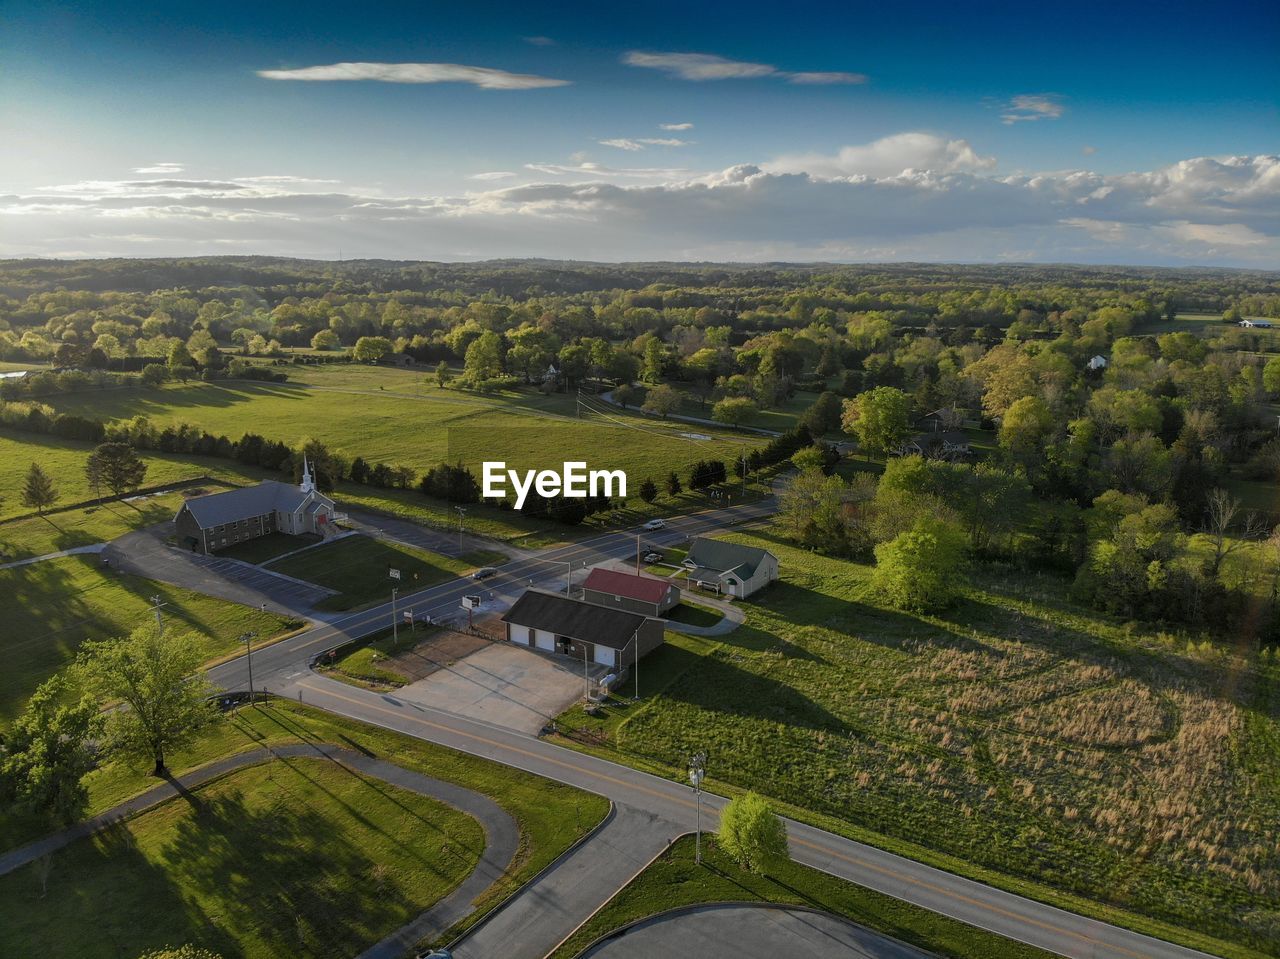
{"type": "Point", "coordinates": [1016, 732]}
{"type": "Point", "coordinates": [358, 567]}
{"type": "Point", "coordinates": [391, 416]}
{"type": "Point", "coordinates": [551, 816]}
{"type": "Point", "coordinates": [52, 607]}
{"type": "Point", "coordinates": [53, 532]}
{"type": "Point", "coordinates": [297, 858]}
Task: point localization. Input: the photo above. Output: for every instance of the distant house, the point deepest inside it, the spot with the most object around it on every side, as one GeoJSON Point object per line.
{"type": "Point", "coordinates": [206, 524]}
{"type": "Point", "coordinates": [1097, 363]}
{"type": "Point", "coordinates": [729, 568]}
{"type": "Point", "coordinates": [1255, 324]}
{"type": "Point", "coordinates": [397, 359]}
{"type": "Point", "coordinates": [554, 623]}
{"type": "Point", "coordinates": [630, 591]}
{"type": "Point", "coordinates": [950, 445]}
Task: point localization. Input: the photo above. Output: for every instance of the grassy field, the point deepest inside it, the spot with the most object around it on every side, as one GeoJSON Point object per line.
{"type": "Point", "coordinates": [53, 532]}
{"type": "Point", "coordinates": [264, 549]}
{"type": "Point", "coordinates": [297, 858]}
{"type": "Point", "coordinates": [357, 567]}
{"type": "Point", "coordinates": [1018, 733]}
{"type": "Point", "coordinates": [51, 607]}
{"type": "Point", "coordinates": [674, 880]}
{"type": "Point", "coordinates": [364, 664]}
{"type": "Point", "coordinates": [695, 614]}
{"type": "Point", "coordinates": [551, 816]}
{"type": "Point", "coordinates": [393, 416]}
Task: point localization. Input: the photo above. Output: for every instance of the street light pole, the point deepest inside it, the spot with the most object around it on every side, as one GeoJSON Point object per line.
{"type": "Point", "coordinates": [586, 674]}
{"type": "Point", "coordinates": [247, 639]}
{"type": "Point", "coordinates": [697, 770]}
{"type": "Point", "coordinates": [462, 511]}
{"type": "Point", "coordinates": [395, 626]}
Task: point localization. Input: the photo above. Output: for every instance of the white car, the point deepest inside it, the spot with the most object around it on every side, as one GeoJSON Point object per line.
{"type": "Point", "coordinates": [655, 524]}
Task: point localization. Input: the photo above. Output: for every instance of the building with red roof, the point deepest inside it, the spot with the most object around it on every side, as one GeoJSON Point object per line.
{"type": "Point", "coordinates": [633, 592]}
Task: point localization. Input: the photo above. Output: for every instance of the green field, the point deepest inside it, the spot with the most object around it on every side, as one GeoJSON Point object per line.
{"type": "Point", "coordinates": [1019, 733]}
{"type": "Point", "coordinates": [297, 858]}
{"type": "Point", "coordinates": [40, 535]}
{"type": "Point", "coordinates": [53, 606]}
{"type": "Point", "coordinates": [695, 614]}
{"type": "Point", "coordinates": [674, 880]}
{"type": "Point", "coordinates": [264, 549]}
{"type": "Point", "coordinates": [357, 567]}
{"type": "Point", "coordinates": [392, 416]}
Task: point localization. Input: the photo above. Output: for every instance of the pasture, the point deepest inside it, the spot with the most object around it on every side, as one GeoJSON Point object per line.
{"type": "Point", "coordinates": [1017, 732]}
{"type": "Point", "coordinates": [394, 416]}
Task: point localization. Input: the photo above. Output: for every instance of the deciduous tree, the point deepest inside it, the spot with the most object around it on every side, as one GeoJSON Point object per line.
{"type": "Point", "coordinates": [752, 833]}
{"type": "Point", "coordinates": [115, 466]}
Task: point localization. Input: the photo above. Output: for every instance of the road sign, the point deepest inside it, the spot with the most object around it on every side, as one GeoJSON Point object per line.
{"type": "Point", "coordinates": [470, 602]}
{"type": "Point", "coordinates": [393, 573]}
{"type": "Point", "coordinates": [408, 616]}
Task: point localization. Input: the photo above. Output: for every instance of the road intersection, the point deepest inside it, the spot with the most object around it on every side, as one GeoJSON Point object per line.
{"type": "Point", "coordinates": [648, 810]}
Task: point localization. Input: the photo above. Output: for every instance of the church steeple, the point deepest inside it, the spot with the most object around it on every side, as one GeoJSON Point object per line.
{"type": "Point", "coordinates": [308, 483]}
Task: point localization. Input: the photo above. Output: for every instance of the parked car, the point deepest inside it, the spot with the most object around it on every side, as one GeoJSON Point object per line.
{"type": "Point", "coordinates": [655, 524]}
{"type": "Point", "coordinates": [653, 556]}
{"type": "Point", "coordinates": [484, 572]}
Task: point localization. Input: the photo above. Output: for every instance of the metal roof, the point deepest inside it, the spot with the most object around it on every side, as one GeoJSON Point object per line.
{"type": "Point", "coordinates": [574, 618]}
{"type": "Point", "coordinates": [648, 589]}
{"type": "Point", "coordinates": [717, 555]}
{"type": "Point", "coordinates": [218, 509]}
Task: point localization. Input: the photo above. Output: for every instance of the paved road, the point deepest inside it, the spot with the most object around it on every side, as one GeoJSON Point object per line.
{"type": "Point", "coordinates": [424, 537]}
{"type": "Point", "coordinates": [734, 931]}
{"type": "Point", "coordinates": [671, 808]}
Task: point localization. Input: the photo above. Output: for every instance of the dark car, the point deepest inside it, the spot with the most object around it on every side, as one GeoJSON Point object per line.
{"type": "Point", "coordinates": [484, 572]}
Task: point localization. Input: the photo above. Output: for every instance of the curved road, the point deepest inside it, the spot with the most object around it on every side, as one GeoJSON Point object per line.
{"type": "Point", "coordinates": [502, 835]}
{"type": "Point", "coordinates": [650, 810]}
{"type": "Point", "coordinates": [749, 931]}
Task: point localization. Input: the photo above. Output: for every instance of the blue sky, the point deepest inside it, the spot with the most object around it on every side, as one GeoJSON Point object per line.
{"type": "Point", "coordinates": [1087, 131]}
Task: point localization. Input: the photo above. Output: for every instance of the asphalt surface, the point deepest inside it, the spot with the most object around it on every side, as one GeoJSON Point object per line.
{"type": "Point", "coordinates": [733, 931]}
{"type": "Point", "coordinates": [667, 806]}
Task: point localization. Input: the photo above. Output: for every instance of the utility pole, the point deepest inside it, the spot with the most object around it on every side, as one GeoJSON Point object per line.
{"type": "Point", "coordinates": [156, 604]}
{"type": "Point", "coordinates": [462, 511]}
{"type": "Point", "coordinates": [697, 770]}
{"type": "Point", "coordinates": [586, 675]}
{"type": "Point", "coordinates": [637, 554]}
{"type": "Point", "coordinates": [247, 639]}
{"type": "Point", "coordinates": [395, 626]}
{"type": "Point", "coordinates": [635, 662]}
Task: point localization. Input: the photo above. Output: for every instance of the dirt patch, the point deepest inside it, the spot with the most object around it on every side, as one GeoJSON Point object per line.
{"type": "Point", "coordinates": [438, 652]}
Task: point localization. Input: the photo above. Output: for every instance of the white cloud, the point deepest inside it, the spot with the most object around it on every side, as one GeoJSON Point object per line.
{"type": "Point", "coordinates": [492, 175]}
{"type": "Point", "coordinates": [1027, 107]}
{"type": "Point", "coordinates": [1223, 210]}
{"type": "Point", "coordinates": [540, 41]}
{"type": "Point", "coordinates": [1088, 151]}
{"type": "Point", "coordinates": [887, 157]}
{"type": "Point", "coordinates": [675, 127]}
{"type": "Point", "coordinates": [639, 143]}
{"type": "Point", "coordinates": [708, 66]}
{"type": "Point", "coordinates": [484, 77]}
{"type": "Point", "coordinates": [162, 167]}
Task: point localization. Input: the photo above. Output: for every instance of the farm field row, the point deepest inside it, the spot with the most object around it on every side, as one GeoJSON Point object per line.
{"type": "Point", "coordinates": [1019, 733]}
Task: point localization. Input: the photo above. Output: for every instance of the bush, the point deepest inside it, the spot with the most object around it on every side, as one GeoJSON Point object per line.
{"type": "Point", "coordinates": [922, 569]}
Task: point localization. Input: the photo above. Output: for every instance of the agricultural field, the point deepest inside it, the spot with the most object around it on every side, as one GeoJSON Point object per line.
{"type": "Point", "coordinates": [357, 567]}
{"type": "Point", "coordinates": [551, 817]}
{"type": "Point", "coordinates": [1018, 732]}
{"type": "Point", "coordinates": [674, 880]}
{"type": "Point", "coordinates": [271, 860]}
{"type": "Point", "coordinates": [53, 606]}
{"type": "Point", "coordinates": [393, 416]}
{"type": "Point", "coordinates": [53, 532]}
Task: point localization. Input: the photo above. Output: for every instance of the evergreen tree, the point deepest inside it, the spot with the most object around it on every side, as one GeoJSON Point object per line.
{"type": "Point", "coordinates": [38, 492]}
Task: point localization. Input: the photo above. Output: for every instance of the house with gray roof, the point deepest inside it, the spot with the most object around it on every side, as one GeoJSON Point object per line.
{"type": "Point", "coordinates": [730, 569]}
{"type": "Point", "coordinates": [206, 524]}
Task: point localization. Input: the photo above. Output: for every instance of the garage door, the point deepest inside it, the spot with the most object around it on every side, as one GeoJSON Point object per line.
{"type": "Point", "coordinates": [521, 634]}
{"type": "Point", "coordinates": [545, 640]}
{"type": "Point", "coordinates": [606, 656]}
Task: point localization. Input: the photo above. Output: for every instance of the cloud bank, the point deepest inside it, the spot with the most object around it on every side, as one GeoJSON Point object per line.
{"type": "Point", "coordinates": [877, 201]}
{"type": "Point", "coordinates": [707, 66]}
{"type": "Point", "coordinates": [483, 77]}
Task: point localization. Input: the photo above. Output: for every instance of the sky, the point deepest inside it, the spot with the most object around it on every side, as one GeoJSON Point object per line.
{"type": "Point", "coordinates": [1087, 132]}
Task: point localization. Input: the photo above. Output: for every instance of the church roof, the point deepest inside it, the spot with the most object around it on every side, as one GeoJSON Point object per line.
{"type": "Point", "coordinates": [218, 509]}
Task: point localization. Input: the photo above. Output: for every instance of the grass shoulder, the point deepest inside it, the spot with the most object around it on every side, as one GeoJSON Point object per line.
{"type": "Point", "coordinates": [674, 880]}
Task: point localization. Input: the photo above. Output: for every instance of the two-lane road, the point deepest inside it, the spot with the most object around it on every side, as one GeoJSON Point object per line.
{"type": "Point", "coordinates": [650, 810]}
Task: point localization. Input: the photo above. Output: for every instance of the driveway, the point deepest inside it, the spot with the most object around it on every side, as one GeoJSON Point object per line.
{"type": "Point", "coordinates": [145, 553]}
{"type": "Point", "coordinates": [505, 685]}
{"type": "Point", "coordinates": [733, 931]}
